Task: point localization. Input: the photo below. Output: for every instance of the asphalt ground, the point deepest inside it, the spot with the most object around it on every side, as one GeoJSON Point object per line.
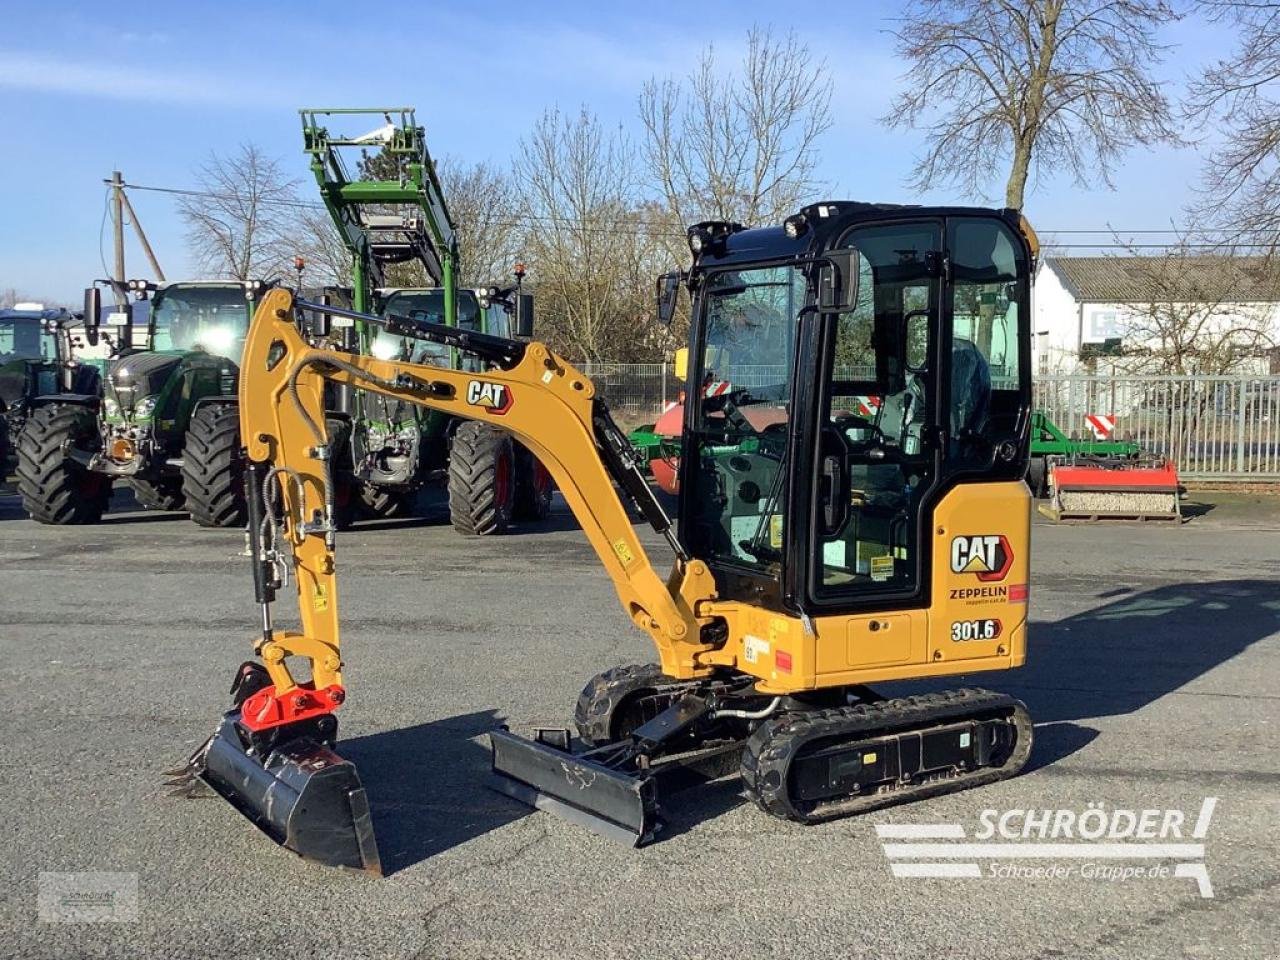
{"type": "Point", "coordinates": [1153, 677]}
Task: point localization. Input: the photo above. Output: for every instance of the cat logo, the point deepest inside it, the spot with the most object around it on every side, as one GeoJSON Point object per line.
{"type": "Point", "coordinates": [494, 397]}
{"type": "Point", "coordinates": [988, 557]}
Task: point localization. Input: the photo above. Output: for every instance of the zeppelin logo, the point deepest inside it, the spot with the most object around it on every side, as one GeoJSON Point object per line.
{"type": "Point", "coordinates": [987, 557]}
{"type": "Point", "coordinates": [494, 397]}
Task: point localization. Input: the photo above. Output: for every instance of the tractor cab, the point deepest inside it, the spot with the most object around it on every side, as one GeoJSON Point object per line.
{"type": "Point", "coordinates": [35, 361]}
{"type": "Point", "coordinates": [488, 310]}
{"type": "Point", "coordinates": [851, 368]}
{"type": "Point", "coordinates": [209, 317]}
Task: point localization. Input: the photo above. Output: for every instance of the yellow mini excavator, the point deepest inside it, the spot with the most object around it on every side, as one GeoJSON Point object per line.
{"type": "Point", "coordinates": [852, 511]}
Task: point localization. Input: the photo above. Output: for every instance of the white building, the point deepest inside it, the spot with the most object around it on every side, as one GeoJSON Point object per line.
{"type": "Point", "coordinates": [1084, 304]}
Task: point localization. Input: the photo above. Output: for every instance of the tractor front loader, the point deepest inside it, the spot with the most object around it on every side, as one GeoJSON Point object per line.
{"type": "Point", "coordinates": [817, 552]}
{"type": "Point", "coordinates": [394, 214]}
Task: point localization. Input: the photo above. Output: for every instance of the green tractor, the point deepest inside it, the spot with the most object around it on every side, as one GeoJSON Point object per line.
{"type": "Point", "coordinates": [402, 218]}
{"type": "Point", "coordinates": [491, 479]}
{"type": "Point", "coordinates": [35, 361]}
{"type": "Point", "coordinates": [165, 419]}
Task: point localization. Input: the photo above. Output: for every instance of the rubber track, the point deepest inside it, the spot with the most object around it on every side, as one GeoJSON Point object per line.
{"type": "Point", "coordinates": [605, 692]}
{"type": "Point", "coordinates": [212, 471]}
{"type": "Point", "coordinates": [474, 509]}
{"type": "Point", "coordinates": [768, 753]}
{"type": "Point", "coordinates": [165, 495]}
{"type": "Point", "coordinates": [51, 485]}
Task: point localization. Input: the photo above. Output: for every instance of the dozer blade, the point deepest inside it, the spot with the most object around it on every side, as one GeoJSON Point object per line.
{"type": "Point", "coordinates": [615, 804]}
{"type": "Point", "coordinates": [302, 795]}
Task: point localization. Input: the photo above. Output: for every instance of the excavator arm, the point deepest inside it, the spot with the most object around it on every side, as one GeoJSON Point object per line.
{"type": "Point", "coordinates": [539, 399]}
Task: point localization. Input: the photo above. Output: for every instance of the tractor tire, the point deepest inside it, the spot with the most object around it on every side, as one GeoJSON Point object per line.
{"type": "Point", "coordinates": [54, 488]}
{"type": "Point", "coordinates": [1037, 478]}
{"type": "Point", "coordinates": [534, 487]}
{"type": "Point", "coordinates": [481, 480]}
{"type": "Point", "coordinates": [164, 493]}
{"type": "Point", "coordinates": [380, 503]}
{"type": "Point", "coordinates": [212, 468]}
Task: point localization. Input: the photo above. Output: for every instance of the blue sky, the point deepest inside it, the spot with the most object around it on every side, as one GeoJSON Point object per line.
{"type": "Point", "coordinates": [151, 88]}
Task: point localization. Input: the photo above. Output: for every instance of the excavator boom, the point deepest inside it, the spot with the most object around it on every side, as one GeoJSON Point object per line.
{"type": "Point", "coordinates": [272, 755]}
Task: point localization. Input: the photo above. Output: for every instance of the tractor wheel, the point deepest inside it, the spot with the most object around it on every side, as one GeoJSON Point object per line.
{"type": "Point", "coordinates": [481, 480]}
{"type": "Point", "coordinates": [533, 488]}
{"type": "Point", "coordinates": [159, 493]}
{"type": "Point", "coordinates": [55, 489]}
{"type": "Point", "coordinates": [1037, 478]}
{"type": "Point", "coordinates": [380, 503]}
{"type": "Point", "coordinates": [212, 468]}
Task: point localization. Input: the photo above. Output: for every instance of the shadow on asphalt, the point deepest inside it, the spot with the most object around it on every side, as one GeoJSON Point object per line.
{"type": "Point", "coordinates": [1122, 656]}
{"type": "Point", "coordinates": [427, 783]}
{"type": "Point", "coordinates": [142, 516]}
{"type": "Point", "coordinates": [1192, 510]}
{"type": "Point", "coordinates": [427, 786]}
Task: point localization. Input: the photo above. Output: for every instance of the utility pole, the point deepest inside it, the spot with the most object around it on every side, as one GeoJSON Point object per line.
{"type": "Point", "coordinates": [117, 213]}
{"type": "Point", "coordinates": [142, 237]}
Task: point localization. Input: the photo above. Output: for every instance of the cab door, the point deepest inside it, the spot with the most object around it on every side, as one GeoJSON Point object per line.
{"type": "Point", "coordinates": [925, 385]}
{"type": "Point", "coordinates": [877, 419]}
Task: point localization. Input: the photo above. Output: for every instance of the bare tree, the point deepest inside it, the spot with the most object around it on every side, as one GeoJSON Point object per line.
{"type": "Point", "coordinates": [1030, 85]}
{"type": "Point", "coordinates": [318, 242]}
{"type": "Point", "coordinates": [240, 219]}
{"type": "Point", "coordinates": [739, 147]}
{"type": "Point", "coordinates": [482, 203]}
{"type": "Point", "coordinates": [1199, 314]}
{"type": "Point", "coordinates": [1241, 190]}
{"type": "Point", "coordinates": [578, 181]}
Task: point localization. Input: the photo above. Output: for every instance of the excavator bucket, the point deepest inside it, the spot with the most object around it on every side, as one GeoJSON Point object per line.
{"type": "Point", "coordinates": [1100, 488]}
{"type": "Point", "coordinates": [299, 792]}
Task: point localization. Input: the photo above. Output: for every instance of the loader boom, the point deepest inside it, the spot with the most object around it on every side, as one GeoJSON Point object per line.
{"type": "Point", "coordinates": [541, 400]}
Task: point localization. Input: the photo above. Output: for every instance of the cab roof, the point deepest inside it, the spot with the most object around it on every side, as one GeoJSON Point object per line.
{"type": "Point", "coordinates": [826, 222]}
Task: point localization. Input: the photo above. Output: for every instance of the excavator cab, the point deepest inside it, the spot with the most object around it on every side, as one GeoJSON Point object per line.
{"type": "Point", "coordinates": [821, 439]}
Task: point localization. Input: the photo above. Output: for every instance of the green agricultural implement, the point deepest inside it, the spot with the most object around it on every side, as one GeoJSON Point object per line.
{"type": "Point", "coordinates": [164, 418]}
{"type": "Point", "coordinates": [397, 449]}
{"type": "Point", "coordinates": [1051, 442]}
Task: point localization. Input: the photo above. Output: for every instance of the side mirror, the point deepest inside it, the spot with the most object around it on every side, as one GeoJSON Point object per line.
{"type": "Point", "coordinates": [838, 281]}
{"type": "Point", "coordinates": [681, 360]}
{"type": "Point", "coordinates": [92, 313]}
{"type": "Point", "coordinates": [523, 319]}
{"type": "Point", "coordinates": [668, 291]}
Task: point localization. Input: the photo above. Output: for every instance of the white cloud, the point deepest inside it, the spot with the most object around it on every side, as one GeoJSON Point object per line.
{"type": "Point", "coordinates": [47, 73]}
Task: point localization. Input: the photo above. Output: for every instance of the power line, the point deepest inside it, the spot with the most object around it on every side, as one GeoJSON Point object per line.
{"type": "Point", "coordinates": [659, 229]}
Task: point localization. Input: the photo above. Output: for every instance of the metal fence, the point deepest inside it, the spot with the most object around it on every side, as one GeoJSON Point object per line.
{"type": "Point", "coordinates": [1214, 428]}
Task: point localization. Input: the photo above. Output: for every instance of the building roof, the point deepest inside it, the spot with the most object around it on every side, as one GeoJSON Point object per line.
{"type": "Point", "coordinates": [1177, 278]}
